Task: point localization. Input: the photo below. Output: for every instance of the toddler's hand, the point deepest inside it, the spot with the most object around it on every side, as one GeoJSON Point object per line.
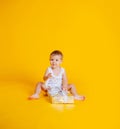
{"type": "Point", "coordinates": [49, 75]}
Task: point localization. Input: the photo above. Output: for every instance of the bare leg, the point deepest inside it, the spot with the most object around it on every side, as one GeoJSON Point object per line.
{"type": "Point", "coordinates": [39, 87]}
{"type": "Point", "coordinates": [73, 91]}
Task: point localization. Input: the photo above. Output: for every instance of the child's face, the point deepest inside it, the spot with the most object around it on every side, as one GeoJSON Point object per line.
{"type": "Point", "coordinates": [55, 61]}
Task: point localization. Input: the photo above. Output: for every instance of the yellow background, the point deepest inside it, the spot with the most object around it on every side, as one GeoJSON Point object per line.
{"type": "Point", "coordinates": [87, 32]}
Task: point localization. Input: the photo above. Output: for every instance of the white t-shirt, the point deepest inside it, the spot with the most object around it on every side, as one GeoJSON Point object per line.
{"type": "Point", "coordinates": [55, 80]}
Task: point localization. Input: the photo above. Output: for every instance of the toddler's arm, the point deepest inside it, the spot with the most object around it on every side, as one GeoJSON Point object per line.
{"type": "Point", "coordinates": [47, 75]}
{"type": "Point", "coordinates": [64, 81]}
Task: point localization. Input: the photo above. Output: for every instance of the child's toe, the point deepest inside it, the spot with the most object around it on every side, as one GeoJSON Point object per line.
{"type": "Point", "coordinates": [33, 97]}
{"type": "Point", "coordinates": [79, 97]}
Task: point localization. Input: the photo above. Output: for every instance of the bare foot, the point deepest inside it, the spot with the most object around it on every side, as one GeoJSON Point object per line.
{"type": "Point", "coordinates": [34, 96]}
{"type": "Point", "coordinates": [78, 97]}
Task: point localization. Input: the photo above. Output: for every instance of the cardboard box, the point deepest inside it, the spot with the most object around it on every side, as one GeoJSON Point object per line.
{"type": "Point", "coordinates": [61, 99]}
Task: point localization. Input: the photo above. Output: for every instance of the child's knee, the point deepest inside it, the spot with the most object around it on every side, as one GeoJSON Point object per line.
{"type": "Point", "coordinates": [42, 86]}
{"type": "Point", "coordinates": [39, 83]}
{"type": "Point", "coordinates": [70, 86]}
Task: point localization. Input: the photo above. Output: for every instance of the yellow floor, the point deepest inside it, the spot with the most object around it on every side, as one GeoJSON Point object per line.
{"type": "Point", "coordinates": [88, 34]}
{"type": "Point", "coordinates": [99, 110]}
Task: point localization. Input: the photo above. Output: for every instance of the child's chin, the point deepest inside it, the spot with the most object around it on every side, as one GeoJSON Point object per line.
{"type": "Point", "coordinates": [53, 66]}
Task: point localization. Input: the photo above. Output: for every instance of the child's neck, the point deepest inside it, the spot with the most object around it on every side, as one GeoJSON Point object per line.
{"type": "Point", "coordinates": [57, 68]}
